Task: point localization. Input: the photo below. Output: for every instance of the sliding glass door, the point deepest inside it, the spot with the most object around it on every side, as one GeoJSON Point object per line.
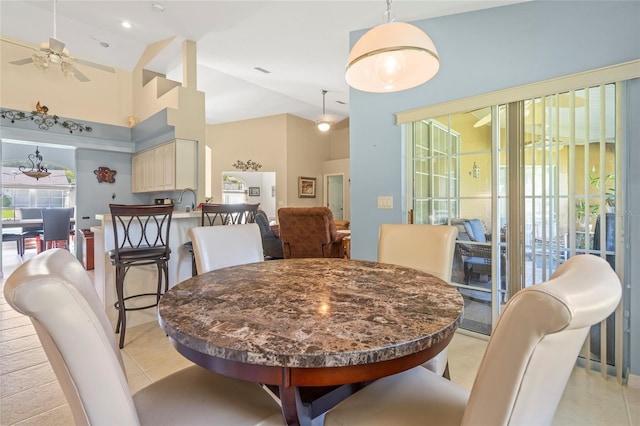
{"type": "Point", "coordinates": [528, 184]}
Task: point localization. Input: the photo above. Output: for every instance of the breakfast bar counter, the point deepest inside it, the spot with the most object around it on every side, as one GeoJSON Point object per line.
{"type": "Point", "coordinates": [140, 278]}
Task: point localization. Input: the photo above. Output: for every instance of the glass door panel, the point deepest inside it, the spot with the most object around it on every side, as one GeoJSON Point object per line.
{"type": "Point", "coordinates": [451, 184]}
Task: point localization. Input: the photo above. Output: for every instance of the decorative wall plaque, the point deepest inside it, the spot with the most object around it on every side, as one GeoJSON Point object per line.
{"type": "Point", "coordinates": [105, 174]}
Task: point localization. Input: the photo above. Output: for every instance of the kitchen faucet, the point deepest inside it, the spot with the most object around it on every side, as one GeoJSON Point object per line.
{"type": "Point", "coordinates": [195, 197]}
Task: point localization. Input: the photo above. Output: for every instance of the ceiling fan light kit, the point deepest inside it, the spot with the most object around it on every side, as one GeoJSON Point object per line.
{"type": "Point", "coordinates": [392, 57]}
{"type": "Point", "coordinates": [54, 52]}
{"type": "Point", "coordinates": [323, 124]}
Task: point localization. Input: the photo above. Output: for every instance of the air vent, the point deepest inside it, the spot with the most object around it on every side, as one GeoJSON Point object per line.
{"type": "Point", "coordinates": [262, 70]}
{"type": "Point", "coordinates": [341, 103]}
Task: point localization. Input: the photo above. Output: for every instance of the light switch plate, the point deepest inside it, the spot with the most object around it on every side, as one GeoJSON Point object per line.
{"type": "Point", "coordinates": [385, 202]}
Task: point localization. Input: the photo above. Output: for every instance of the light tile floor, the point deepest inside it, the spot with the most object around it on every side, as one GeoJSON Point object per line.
{"type": "Point", "coordinates": [30, 394]}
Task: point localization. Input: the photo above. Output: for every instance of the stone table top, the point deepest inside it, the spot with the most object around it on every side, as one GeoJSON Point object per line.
{"type": "Point", "coordinates": [311, 312]}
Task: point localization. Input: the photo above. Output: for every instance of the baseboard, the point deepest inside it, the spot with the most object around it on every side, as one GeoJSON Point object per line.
{"type": "Point", "coordinates": [633, 381]}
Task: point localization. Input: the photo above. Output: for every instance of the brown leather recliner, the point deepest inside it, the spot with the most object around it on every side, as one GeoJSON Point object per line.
{"type": "Point", "coordinates": [309, 232]}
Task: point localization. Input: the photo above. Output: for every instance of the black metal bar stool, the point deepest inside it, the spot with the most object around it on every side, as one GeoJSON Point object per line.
{"type": "Point", "coordinates": [222, 214]}
{"type": "Point", "coordinates": [141, 237]}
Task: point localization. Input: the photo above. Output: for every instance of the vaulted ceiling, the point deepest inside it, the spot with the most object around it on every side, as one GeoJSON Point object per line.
{"type": "Point", "coordinates": [303, 45]}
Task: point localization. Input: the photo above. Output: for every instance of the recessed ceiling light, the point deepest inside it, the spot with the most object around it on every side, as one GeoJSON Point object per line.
{"type": "Point", "coordinates": [157, 6]}
{"type": "Point", "coordinates": [126, 24]}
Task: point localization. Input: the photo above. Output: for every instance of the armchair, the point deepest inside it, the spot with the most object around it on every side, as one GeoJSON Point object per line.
{"type": "Point", "coordinates": [309, 232]}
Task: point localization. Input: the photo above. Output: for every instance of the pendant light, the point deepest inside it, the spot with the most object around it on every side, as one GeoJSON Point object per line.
{"type": "Point", "coordinates": [323, 124]}
{"type": "Point", "coordinates": [391, 57]}
{"type": "Point", "coordinates": [37, 171]}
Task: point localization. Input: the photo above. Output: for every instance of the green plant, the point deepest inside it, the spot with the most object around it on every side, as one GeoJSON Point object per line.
{"type": "Point", "coordinates": [581, 208]}
{"type": "Point", "coordinates": [6, 201]}
{"type": "Point", "coordinates": [610, 185]}
{"type": "Point", "coordinates": [71, 176]}
{"type": "Point", "coordinates": [594, 207]}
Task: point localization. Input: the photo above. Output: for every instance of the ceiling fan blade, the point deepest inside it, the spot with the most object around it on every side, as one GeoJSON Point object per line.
{"type": "Point", "coordinates": [81, 77]}
{"type": "Point", "coordinates": [94, 65]}
{"type": "Point", "coordinates": [22, 61]}
{"type": "Point", "coordinates": [17, 43]}
{"type": "Point", "coordinates": [56, 45]}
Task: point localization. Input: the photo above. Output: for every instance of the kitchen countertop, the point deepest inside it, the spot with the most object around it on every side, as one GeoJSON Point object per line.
{"type": "Point", "coordinates": [177, 214]}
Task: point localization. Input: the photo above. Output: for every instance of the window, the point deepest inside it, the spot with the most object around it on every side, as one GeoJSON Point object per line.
{"type": "Point", "coordinates": [19, 190]}
{"type": "Point", "coordinates": [234, 190]}
{"type": "Point", "coordinates": [435, 162]}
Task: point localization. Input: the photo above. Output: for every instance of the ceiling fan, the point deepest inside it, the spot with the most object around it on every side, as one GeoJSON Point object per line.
{"type": "Point", "coordinates": [53, 53]}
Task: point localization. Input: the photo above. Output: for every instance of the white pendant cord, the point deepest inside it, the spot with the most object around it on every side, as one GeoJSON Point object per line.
{"type": "Point", "coordinates": [324, 94]}
{"type": "Point", "coordinates": [54, 19]}
{"type": "Point", "coordinates": [388, 15]}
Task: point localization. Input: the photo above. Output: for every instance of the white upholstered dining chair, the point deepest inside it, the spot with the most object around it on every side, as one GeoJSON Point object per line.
{"type": "Point", "coordinates": [428, 248]}
{"type": "Point", "coordinates": [525, 368]}
{"type": "Point", "coordinates": [54, 290]}
{"type": "Point", "coordinates": [216, 247]}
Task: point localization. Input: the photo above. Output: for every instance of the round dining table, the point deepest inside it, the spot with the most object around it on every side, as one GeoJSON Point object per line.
{"type": "Point", "coordinates": [311, 330]}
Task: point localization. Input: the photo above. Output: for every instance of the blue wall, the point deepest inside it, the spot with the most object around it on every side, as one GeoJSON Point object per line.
{"type": "Point", "coordinates": [94, 197]}
{"type": "Point", "coordinates": [482, 52]}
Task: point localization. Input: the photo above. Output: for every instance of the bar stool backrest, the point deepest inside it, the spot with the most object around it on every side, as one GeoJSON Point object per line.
{"type": "Point", "coordinates": [228, 214]}
{"type": "Point", "coordinates": [140, 227]}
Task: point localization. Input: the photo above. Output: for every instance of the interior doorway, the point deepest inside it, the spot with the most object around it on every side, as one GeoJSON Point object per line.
{"type": "Point", "coordinates": [252, 188]}
{"type": "Point", "coordinates": [334, 195]}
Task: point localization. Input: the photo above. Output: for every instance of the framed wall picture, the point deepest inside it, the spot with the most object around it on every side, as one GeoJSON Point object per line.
{"type": "Point", "coordinates": [306, 187]}
{"type": "Point", "coordinates": [254, 191]}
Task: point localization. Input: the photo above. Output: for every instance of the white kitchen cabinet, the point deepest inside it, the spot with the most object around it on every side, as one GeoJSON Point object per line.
{"type": "Point", "coordinates": [167, 167]}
